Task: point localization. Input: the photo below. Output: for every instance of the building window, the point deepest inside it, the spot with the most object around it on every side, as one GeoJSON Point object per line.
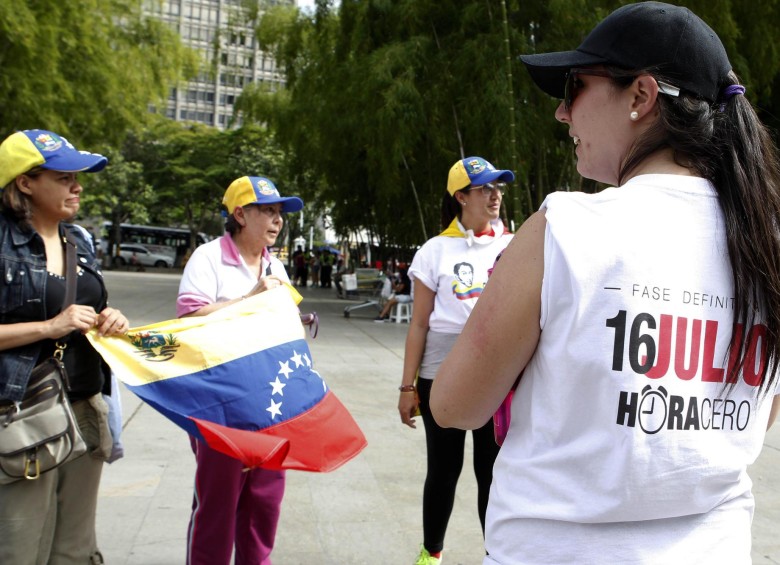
{"type": "Point", "coordinates": [171, 8]}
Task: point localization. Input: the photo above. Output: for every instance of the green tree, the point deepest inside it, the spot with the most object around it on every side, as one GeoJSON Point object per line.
{"type": "Point", "coordinates": [87, 69]}
{"type": "Point", "coordinates": [190, 165]}
{"type": "Point", "coordinates": [382, 97]}
{"type": "Point", "coordinates": [186, 163]}
{"type": "Point", "coordinates": [118, 194]}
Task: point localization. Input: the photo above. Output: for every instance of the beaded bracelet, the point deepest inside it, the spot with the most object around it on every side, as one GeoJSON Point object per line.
{"type": "Point", "coordinates": [407, 388]}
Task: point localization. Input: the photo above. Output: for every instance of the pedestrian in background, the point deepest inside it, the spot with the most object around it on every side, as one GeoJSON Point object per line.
{"type": "Point", "coordinates": [233, 506]}
{"type": "Point", "coordinates": [401, 294]}
{"type": "Point", "coordinates": [301, 267]}
{"type": "Point", "coordinates": [646, 317]}
{"type": "Point", "coordinates": [448, 274]}
{"type": "Point", "coordinates": [327, 260]}
{"type": "Point", "coordinates": [341, 270]}
{"type": "Point", "coordinates": [52, 519]}
{"type": "Point", "coordinates": [314, 269]}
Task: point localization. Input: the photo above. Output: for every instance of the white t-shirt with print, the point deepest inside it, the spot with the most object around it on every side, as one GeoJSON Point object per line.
{"type": "Point", "coordinates": [623, 446]}
{"type": "Point", "coordinates": [456, 269]}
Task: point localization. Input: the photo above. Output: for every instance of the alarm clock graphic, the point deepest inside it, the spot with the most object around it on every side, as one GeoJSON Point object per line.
{"type": "Point", "coordinates": [653, 409]}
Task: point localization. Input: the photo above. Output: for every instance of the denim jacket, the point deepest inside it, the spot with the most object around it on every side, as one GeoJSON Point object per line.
{"type": "Point", "coordinates": [22, 292]}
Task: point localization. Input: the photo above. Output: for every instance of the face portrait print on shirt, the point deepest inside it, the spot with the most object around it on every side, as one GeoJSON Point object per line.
{"type": "Point", "coordinates": [463, 287]}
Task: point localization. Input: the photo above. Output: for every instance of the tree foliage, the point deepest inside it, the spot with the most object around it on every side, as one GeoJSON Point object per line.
{"type": "Point", "coordinates": [383, 96]}
{"type": "Point", "coordinates": [188, 167]}
{"type": "Point", "coordinates": [118, 194]}
{"type": "Point", "coordinates": [88, 69]}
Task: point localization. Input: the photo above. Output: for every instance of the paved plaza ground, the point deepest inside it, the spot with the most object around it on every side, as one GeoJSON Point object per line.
{"type": "Point", "coordinates": [368, 511]}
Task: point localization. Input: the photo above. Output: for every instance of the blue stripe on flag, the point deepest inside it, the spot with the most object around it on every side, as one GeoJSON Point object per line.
{"type": "Point", "coordinates": [249, 393]}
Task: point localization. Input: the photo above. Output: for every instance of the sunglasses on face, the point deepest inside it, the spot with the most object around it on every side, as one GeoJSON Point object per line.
{"type": "Point", "coordinates": [573, 84]}
{"type": "Point", "coordinates": [488, 188]}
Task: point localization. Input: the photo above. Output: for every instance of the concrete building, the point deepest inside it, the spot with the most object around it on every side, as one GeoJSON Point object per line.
{"type": "Point", "coordinates": [231, 59]}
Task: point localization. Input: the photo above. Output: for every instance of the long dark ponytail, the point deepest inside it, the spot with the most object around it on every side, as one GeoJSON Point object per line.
{"type": "Point", "coordinates": [726, 143]}
{"type": "Point", "coordinates": [450, 209]}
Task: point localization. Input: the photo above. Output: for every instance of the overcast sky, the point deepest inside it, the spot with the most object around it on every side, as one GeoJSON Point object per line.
{"type": "Point", "coordinates": [306, 4]}
{"type": "Point", "coordinates": [309, 4]}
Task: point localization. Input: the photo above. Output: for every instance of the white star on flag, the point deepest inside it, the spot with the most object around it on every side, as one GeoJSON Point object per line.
{"type": "Point", "coordinates": [297, 358]}
{"type": "Point", "coordinates": [308, 361]}
{"type": "Point", "coordinates": [274, 409]}
{"type": "Point", "coordinates": [277, 386]}
{"type": "Point", "coordinates": [284, 368]}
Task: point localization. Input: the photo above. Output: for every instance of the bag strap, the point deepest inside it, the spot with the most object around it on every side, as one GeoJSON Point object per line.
{"type": "Point", "coordinates": [70, 290]}
{"type": "Point", "coordinates": [70, 270]}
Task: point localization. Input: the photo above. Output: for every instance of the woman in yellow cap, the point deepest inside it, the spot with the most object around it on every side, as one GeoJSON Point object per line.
{"type": "Point", "coordinates": [449, 273]}
{"type": "Point", "coordinates": [235, 509]}
{"type": "Point", "coordinates": [51, 519]}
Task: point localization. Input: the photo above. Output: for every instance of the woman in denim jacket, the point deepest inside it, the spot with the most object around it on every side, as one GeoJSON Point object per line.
{"type": "Point", "coordinates": [51, 519]}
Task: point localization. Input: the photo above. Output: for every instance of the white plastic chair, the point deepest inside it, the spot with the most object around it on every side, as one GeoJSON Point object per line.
{"type": "Point", "coordinates": [401, 312]}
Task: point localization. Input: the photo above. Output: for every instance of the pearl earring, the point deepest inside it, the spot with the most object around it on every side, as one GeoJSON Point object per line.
{"type": "Point", "coordinates": [634, 116]}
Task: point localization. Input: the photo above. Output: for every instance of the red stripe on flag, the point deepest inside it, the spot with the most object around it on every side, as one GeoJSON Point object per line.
{"type": "Point", "coordinates": [321, 439]}
{"type": "Point", "coordinates": [253, 449]}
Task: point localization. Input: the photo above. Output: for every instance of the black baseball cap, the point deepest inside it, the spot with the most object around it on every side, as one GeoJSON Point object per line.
{"type": "Point", "coordinates": [646, 35]}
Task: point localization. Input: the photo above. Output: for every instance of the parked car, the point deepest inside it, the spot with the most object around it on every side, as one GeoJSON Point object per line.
{"type": "Point", "coordinates": [135, 254]}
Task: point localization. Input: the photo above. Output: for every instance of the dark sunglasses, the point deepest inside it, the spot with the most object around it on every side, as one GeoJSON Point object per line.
{"type": "Point", "coordinates": [571, 86]}
{"type": "Point", "coordinates": [488, 188]}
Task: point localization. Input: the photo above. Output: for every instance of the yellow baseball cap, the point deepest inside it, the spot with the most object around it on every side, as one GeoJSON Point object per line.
{"type": "Point", "coordinates": [474, 171]}
{"type": "Point", "coordinates": [257, 190]}
{"type": "Point", "coordinates": [25, 150]}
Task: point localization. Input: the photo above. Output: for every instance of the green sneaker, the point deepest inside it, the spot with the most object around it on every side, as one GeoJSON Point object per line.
{"type": "Point", "coordinates": [426, 558]}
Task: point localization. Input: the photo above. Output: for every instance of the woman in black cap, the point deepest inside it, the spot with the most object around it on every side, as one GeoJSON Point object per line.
{"type": "Point", "coordinates": [646, 317]}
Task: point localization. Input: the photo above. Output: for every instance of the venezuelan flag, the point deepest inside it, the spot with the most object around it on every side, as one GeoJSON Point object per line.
{"type": "Point", "coordinates": [242, 380]}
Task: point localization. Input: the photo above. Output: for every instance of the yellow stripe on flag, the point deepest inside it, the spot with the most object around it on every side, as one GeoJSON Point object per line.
{"type": "Point", "coordinates": [187, 345]}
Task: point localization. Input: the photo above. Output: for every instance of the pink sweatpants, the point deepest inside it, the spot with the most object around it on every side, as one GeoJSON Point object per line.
{"type": "Point", "coordinates": [232, 507]}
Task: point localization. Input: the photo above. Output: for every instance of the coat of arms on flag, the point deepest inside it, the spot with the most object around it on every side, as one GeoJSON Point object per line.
{"type": "Point", "coordinates": [242, 380]}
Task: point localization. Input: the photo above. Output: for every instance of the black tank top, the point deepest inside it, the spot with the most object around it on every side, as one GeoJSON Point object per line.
{"type": "Point", "coordinates": [82, 362]}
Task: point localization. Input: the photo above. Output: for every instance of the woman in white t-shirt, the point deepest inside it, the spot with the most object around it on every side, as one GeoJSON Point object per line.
{"type": "Point", "coordinates": [645, 318]}
{"type": "Point", "coordinates": [449, 273]}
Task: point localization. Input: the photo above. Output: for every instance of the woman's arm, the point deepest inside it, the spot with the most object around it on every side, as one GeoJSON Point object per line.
{"type": "Point", "coordinates": [265, 283]}
{"type": "Point", "coordinates": [75, 317]}
{"type": "Point", "coordinates": [415, 346]}
{"type": "Point", "coordinates": [499, 337]}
